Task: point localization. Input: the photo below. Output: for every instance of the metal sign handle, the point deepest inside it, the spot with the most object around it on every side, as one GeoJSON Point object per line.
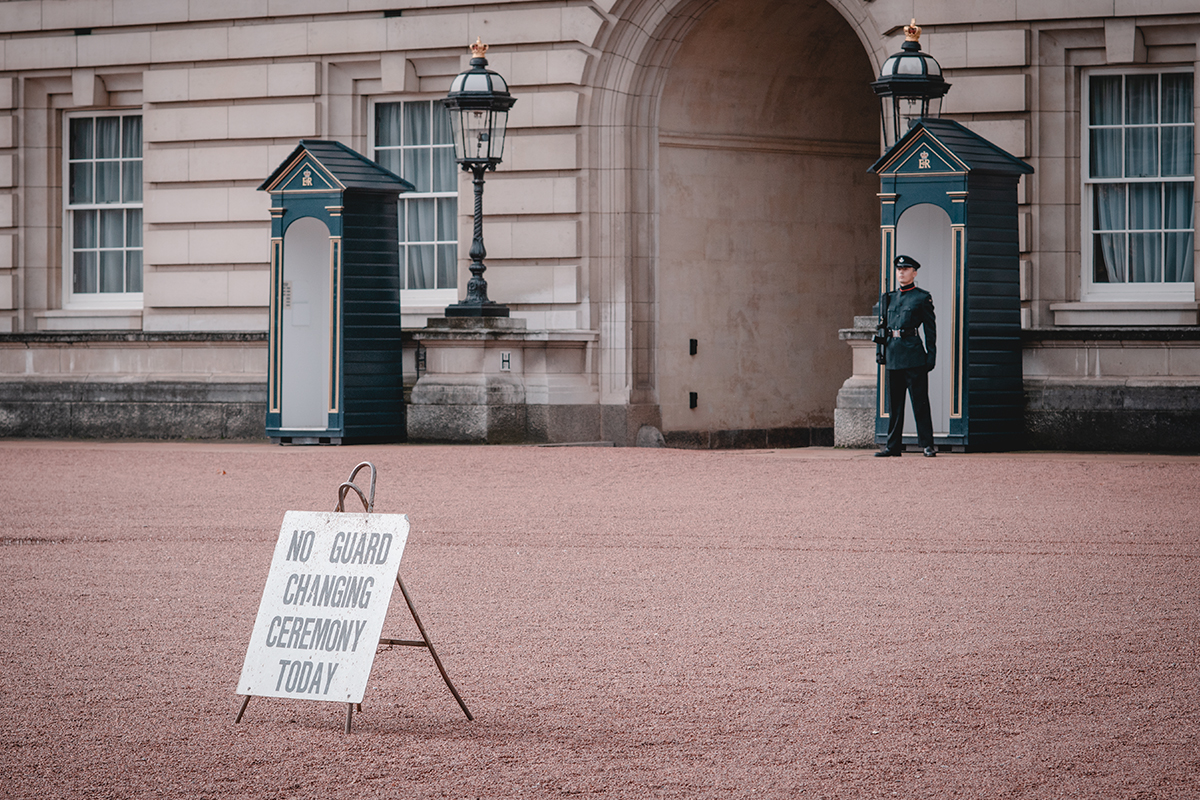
{"type": "Point", "coordinates": [368, 501]}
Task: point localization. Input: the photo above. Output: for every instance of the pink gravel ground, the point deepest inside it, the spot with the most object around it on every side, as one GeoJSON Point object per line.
{"type": "Point", "coordinates": [623, 623]}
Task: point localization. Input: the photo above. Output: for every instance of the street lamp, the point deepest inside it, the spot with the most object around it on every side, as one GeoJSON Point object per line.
{"type": "Point", "coordinates": [478, 103]}
{"type": "Point", "coordinates": [910, 86]}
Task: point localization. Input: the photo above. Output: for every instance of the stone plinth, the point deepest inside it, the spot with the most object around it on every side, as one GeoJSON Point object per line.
{"type": "Point", "coordinates": [854, 417]}
{"type": "Point", "coordinates": [489, 380]}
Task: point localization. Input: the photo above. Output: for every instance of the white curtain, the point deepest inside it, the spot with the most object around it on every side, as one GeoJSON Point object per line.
{"type": "Point", "coordinates": [420, 227]}
{"type": "Point", "coordinates": [1141, 128]}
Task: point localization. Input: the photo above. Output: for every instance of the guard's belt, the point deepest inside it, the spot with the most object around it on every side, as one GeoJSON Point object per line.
{"type": "Point", "coordinates": [896, 334]}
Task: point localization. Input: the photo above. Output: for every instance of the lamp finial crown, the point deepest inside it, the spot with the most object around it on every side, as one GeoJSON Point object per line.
{"type": "Point", "coordinates": [912, 32]}
{"type": "Point", "coordinates": [479, 49]}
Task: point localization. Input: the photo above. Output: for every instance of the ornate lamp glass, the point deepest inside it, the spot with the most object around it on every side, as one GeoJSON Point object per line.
{"type": "Point", "coordinates": [478, 103]}
{"type": "Point", "coordinates": [910, 86]}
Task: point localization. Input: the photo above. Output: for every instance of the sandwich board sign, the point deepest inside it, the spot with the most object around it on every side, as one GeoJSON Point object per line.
{"type": "Point", "coordinates": [323, 606]}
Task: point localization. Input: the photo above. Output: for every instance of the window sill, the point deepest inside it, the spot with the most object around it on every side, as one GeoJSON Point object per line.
{"type": "Point", "coordinates": [99, 319]}
{"type": "Point", "coordinates": [1129, 313]}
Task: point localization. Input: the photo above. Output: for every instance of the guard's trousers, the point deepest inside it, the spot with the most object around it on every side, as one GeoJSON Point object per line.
{"type": "Point", "coordinates": [915, 383]}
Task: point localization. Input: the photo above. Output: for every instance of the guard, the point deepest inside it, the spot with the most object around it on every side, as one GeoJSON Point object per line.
{"type": "Point", "coordinates": [901, 313]}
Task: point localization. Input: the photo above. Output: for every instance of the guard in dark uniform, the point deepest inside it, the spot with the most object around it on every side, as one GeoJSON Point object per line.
{"type": "Point", "coordinates": [908, 362]}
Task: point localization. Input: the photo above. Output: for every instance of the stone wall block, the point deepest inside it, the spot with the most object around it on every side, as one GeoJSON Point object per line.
{"type": "Point", "coordinates": [165, 85]}
{"type": "Point", "coordinates": [8, 211]}
{"type": "Point", "coordinates": [566, 66]}
{"type": "Point", "coordinates": [949, 48]}
{"type": "Point", "coordinates": [7, 293]}
{"type": "Point", "coordinates": [77, 14]}
{"type": "Point", "coordinates": [1123, 42]}
{"type": "Point", "coordinates": [535, 284]}
{"type": "Point", "coordinates": [230, 245]}
{"type": "Point", "coordinates": [279, 8]}
{"type": "Point", "coordinates": [545, 110]}
{"type": "Point", "coordinates": [992, 48]}
{"type": "Point", "coordinates": [16, 17]}
{"type": "Point", "coordinates": [972, 94]}
{"type": "Point", "coordinates": [290, 80]}
{"type": "Point", "coordinates": [541, 239]}
{"type": "Point", "coordinates": [180, 289]}
{"type": "Point", "coordinates": [1184, 360]}
{"type": "Point", "coordinates": [208, 204]}
{"type": "Point", "coordinates": [165, 164]}
{"type": "Point", "coordinates": [192, 123]}
{"type": "Point", "coordinates": [8, 171]}
{"type": "Point", "coordinates": [272, 40]}
{"type": "Point", "coordinates": [948, 12]}
{"type": "Point", "coordinates": [1065, 9]}
{"type": "Point", "coordinates": [283, 120]}
{"type": "Point", "coordinates": [581, 24]}
{"type": "Point", "coordinates": [247, 204]}
{"type": "Point", "coordinates": [139, 12]}
{"type": "Point", "coordinates": [532, 195]}
{"type": "Point", "coordinates": [227, 83]}
{"type": "Point", "coordinates": [251, 287]}
{"type": "Point", "coordinates": [1130, 8]}
{"type": "Point", "coordinates": [165, 247]}
{"type": "Point", "coordinates": [227, 9]}
{"type": "Point", "coordinates": [8, 92]}
{"type": "Point", "coordinates": [517, 26]}
{"type": "Point", "coordinates": [197, 44]}
{"type": "Point", "coordinates": [8, 250]}
{"type": "Point", "coordinates": [1129, 361]}
{"type": "Point", "coordinates": [41, 52]}
{"type": "Point", "coordinates": [87, 89]}
{"type": "Point", "coordinates": [112, 49]}
{"type": "Point", "coordinates": [542, 152]}
{"type": "Point", "coordinates": [240, 162]}
{"type": "Point", "coordinates": [346, 36]}
{"type": "Point", "coordinates": [398, 73]}
{"type": "Point", "coordinates": [436, 30]}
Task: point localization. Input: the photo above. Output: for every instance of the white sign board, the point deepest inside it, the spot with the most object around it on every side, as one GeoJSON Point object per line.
{"type": "Point", "coordinates": [323, 607]}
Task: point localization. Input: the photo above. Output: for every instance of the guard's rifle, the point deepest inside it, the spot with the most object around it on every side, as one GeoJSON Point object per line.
{"type": "Point", "coordinates": [881, 330]}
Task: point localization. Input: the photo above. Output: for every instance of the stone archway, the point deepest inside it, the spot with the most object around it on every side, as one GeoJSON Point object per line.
{"type": "Point", "coordinates": [768, 222]}
{"type": "Point", "coordinates": [637, 61]}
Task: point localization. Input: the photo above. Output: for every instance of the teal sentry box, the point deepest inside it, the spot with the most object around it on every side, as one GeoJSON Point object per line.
{"type": "Point", "coordinates": [949, 199]}
{"type": "Point", "coordinates": [333, 364]}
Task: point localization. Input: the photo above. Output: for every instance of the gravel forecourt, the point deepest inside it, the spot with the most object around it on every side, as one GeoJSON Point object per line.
{"type": "Point", "coordinates": [624, 623]}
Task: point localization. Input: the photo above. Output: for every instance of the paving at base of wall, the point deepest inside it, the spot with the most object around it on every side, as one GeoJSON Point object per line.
{"type": "Point", "coordinates": [622, 622]}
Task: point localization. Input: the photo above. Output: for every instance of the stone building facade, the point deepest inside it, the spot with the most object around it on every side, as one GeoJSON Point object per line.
{"type": "Point", "coordinates": [683, 220]}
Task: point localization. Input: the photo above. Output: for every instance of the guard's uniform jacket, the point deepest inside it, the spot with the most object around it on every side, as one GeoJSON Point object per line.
{"type": "Point", "coordinates": [908, 311]}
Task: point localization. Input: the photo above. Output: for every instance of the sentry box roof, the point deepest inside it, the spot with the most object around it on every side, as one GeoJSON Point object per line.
{"type": "Point", "coordinates": [957, 149]}
{"type": "Point", "coordinates": [319, 165]}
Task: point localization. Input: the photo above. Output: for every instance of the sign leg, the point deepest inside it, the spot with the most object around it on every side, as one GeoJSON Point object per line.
{"type": "Point", "coordinates": [349, 715]}
{"type": "Point", "coordinates": [242, 710]}
{"type": "Point", "coordinates": [429, 644]}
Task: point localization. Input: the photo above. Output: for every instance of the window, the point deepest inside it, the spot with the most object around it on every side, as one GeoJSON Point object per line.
{"type": "Point", "coordinates": [1139, 186]}
{"type": "Point", "coordinates": [413, 139]}
{"type": "Point", "coordinates": [103, 220]}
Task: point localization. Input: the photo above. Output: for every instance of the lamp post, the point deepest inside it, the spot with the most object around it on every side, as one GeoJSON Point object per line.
{"type": "Point", "coordinates": [910, 86]}
{"type": "Point", "coordinates": [478, 103]}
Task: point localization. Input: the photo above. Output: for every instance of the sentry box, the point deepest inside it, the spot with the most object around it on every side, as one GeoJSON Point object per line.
{"type": "Point", "coordinates": [333, 364]}
{"type": "Point", "coordinates": [949, 200]}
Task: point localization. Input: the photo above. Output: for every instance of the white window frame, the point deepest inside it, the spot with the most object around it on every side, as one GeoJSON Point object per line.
{"type": "Point", "coordinates": [418, 300]}
{"type": "Point", "coordinates": [1092, 291]}
{"type": "Point", "coordinates": [73, 300]}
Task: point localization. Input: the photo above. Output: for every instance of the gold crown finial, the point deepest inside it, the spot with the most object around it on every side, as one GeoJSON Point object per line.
{"type": "Point", "coordinates": [479, 49]}
{"type": "Point", "coordinates": [912, 32]}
